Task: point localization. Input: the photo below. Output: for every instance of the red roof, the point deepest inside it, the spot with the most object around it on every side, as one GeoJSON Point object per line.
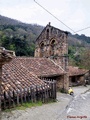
{"type": "Point", "coordinates": [73, 71]}
{"type": "Point", "coordinates": [40, 66]}
{"type": "Point", "coordinates": [23, 72]}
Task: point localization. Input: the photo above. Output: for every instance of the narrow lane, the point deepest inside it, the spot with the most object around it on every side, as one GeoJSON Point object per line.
{"type": "Point", "coordinates": [79, 107]}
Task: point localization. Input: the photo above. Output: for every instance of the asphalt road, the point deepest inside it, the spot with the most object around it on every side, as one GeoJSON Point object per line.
{"type": "Point", "coordinates": [66, 108]}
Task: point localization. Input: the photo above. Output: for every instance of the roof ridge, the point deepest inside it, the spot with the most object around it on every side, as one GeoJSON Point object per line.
{"type": "Point", "coordinates": [57, 65]}
{"type": "Point", "coordinates": [50, 26]}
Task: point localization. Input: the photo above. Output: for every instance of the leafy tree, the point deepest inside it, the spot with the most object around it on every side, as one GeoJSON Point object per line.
{"type": "Point", "coordinates": [85, 59]}
{"type": "Point", "coordinates": [20, 46]}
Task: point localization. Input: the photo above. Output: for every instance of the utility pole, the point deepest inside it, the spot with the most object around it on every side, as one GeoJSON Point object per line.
{"type": "Point", "coordinates": [5, 57]}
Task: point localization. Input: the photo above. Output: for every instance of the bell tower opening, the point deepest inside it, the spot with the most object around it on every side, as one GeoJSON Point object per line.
{"type": "Point", "coordinates": [42, 49]}
{"type": "Point", "coordinates": [47, 34]}
{"type": "Point", "coordinates": [52, 44]}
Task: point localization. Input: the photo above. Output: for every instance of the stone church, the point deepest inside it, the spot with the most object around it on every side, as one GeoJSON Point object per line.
{"type": "Point", "coordinates": [52, 44]}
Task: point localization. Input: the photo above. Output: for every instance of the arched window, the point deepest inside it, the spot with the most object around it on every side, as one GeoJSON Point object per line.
{"type": "Point", "coordinates": [52, 44]}
{"type": "Point", "coordinates": [42, 49]}
{"type": "Point", "coordinates": [42, 46]}
{"type": "Point", "coordinates": [47, 34]}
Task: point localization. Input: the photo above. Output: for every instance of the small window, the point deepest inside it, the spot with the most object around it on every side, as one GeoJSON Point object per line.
{"type": "Point", "coordinates": [41, 49]}
{"type": "Point", "coordinates": [53, 44]}
{"type": "Point", "coordinates": [47, 34]}
{"type": "Point", "coordinates": [42, 46]}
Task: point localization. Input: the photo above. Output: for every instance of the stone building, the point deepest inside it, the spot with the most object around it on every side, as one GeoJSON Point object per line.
{"type": "Point", "coordinates": [52, 44]}
{"type": "Point", "coordinates": [77, 76]}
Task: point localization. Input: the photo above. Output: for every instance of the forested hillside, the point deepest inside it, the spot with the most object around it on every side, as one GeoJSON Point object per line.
{"type": "Point", "coordinates": [79, 50]}
{"type": "Point", "coordinates": [20, 37]}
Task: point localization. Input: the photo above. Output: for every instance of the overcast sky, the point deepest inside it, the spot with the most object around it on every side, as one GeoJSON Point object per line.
{"type": "Point", "coordinates": [74, 13]}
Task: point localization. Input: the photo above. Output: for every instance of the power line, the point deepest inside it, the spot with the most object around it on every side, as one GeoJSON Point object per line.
{"type": "Point", "coordinates": [83, 29]}
{"type": "Point", "coordinates": [60, 20]}
{"type": "Point", "coordinates": [55, 17]}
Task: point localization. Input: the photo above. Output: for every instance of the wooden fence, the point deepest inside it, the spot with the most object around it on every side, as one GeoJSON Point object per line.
{"type": "Point", "coordinates": [42, 93]}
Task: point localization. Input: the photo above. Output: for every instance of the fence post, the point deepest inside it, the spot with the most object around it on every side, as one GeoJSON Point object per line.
{"type": "Point", "coordinates": [9, 99]}
{"type": "Point", "coordinates": [4, 100]}
{"type": "Point", "coordinates": [21, 95]}
{"type": "Point", "coordinates": [31, 89]}
{"type": "Point", "coordinates": [24, 94]}
{"type": "Point", "coordinates": [13, 99]}
{"type": "Point", "coordinates": [28, 94]}
{"type": "Point", "coordinates": [34, 93]}
{"type": "Point", "coordinates": [54, 89]}
{"type": "Point", "coordinates": [46, 90]}
{"type": "Point", "coordinates": [17, 98]}
{"type": "Point", "coordinates": [41, 93]}
{"type": "Point", "coordinates": [44, 94]}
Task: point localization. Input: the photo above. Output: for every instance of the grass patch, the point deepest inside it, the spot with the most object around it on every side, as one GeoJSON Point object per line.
{"type": "Point", "coordinates": [28, 105]}
{"type": "Point", "coordinates": [24, 106]}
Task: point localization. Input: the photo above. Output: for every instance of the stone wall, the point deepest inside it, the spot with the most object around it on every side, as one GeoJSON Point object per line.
{"type": "Point", "coordinates": [62, 83]}
{"type": "Point", "coordinates": [78, 80]}
{"type": "Point", "coordinates": [52, 43]}
{"type": "Point", "coordinates": [82, 80]}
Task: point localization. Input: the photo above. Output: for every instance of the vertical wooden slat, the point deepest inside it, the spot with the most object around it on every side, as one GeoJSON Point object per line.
{"type": "Point", "coordinates": [45, 94]}
{"type": "Point", "coordinates": [24, 94]}
{"type": "Point", "coordinates": [9, 99]}
{"type": "Point", "coordinates": [14, 98]}
{"type": "Point", "coordinates": [31, 89]}
{"type": "Point", "coordinates": [28, 94]}
{"type": "Point", "coordinates": [41, 93]}
{"type": "Point", "coordinates": [17, 97]}
{"type": "Point", "coordinates": [34, 93]}
{"type": "Point", "coordinates": [55, 89]}
{"type": "Point", "coordinates": [21, 96]}
{"type": "Point", "coordinates": [4, 100]}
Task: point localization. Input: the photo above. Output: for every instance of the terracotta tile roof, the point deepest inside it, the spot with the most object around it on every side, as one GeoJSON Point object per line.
{"type": "Point", "coordinates": [22, 72]}
{"type": "Point", "coordinates": [73, 71]}
{"type": "Point", "coordinates": [40, 66]}
{"type": "Point", "coordinates": [16, 77]}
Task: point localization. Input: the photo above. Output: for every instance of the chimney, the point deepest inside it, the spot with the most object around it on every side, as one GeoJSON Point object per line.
{"type": "Point", "coordinates": [49, 23]}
